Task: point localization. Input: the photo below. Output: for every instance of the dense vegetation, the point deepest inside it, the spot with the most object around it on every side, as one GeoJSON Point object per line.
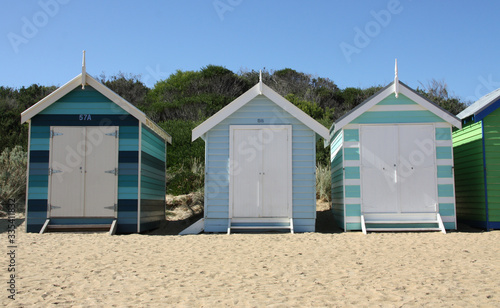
{"type": "Point", "coordinates": [187, 98]}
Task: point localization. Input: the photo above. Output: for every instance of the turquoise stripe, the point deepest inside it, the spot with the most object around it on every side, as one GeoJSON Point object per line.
{"type": "Point", "coordinates": [445, 190]}
{"type": "Point", "coordinates": [443, 133]}
{"type": "Point", "coordinates": [352, 173]}
{"type": "Point", "coordinates": [401, 100]}
{"type": "Point", "coordinates": [449, 225]}
{"type": "Point", "coordinates": [353, 210]}
{"type": "Point", "coordinates": [353, 226]}
{"type": "Point", "coordinates": [351, 153]}
{"type": "Point", "coordinates": [83, 108]}
{"type": "Point", "coordinates": [443, 152]}
{"type": "Point", "coordinates": [413, 116]}
{"type": "Point", "coordinates": [351, 135]}
{"type": "Point", "coordinates": [444, 171]}
{"type": "Point", "coordinates": [352, 191]}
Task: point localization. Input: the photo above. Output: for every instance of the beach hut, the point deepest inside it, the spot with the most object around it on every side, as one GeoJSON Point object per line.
{"type": "Point", "coordinates": [476, 149]}
{"type": "Point", "coordinates": [95, 162]}
{"type": "Point", "coordinates": [392, 164]}
{"type": "Point", "coordinates": [260, 159]}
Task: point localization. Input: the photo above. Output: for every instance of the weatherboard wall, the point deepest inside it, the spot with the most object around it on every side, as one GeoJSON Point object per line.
{"type": "Point", "coordinates": [217, 164]}
{"type": "Point", "coordinates": [153, 164]}
{"type": "Point", "coordinates": [68, 111]}
{"type": "Point", "coordinates": [477, 167]}
{"type": "Point", "coordinates": [397, 111]}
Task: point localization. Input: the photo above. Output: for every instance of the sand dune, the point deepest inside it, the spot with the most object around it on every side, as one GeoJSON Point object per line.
{"type": "Point", "coordinates": [255, 270]}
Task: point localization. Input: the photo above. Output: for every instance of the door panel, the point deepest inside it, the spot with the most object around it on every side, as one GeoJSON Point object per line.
{"type": "Point", "coordinates": [260, 172]}
{"type": "Point", "coordinates": [416, 171]}
{"type": "Point", "coordinates": [378, 170]}
{"type": "Point", "coordinates": [67, 163]}
{"type": "Point", "coordinates": [275, 175]}
{"type": "Point", "coordinates": [83, 189]}
{"type": "Point", "coordinates": [100, 187]}
{"type": "Point", "coordinates": [246, 173]}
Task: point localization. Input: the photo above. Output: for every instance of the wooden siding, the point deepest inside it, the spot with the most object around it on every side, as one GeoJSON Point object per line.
{"type": "Point", "coordinates": [492, 148]}
{"type": "Point", "coordinates": [260, 111]}
{"type": "Point", "coordinates": [337, 172]}
{"type": "Point", "coordinates": [153, 160]}
{"type": "Point", "coordinates": [66, 112]}
{"type": "Point", "coordinates": [469, 174]}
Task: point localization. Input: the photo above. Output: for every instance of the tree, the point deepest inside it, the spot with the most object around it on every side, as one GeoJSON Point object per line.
{"type": "Point", "coordinates": [127, 86]}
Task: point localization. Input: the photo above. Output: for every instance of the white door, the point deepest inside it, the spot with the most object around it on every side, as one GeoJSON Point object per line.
{"type": "Point", "coordinates": [66, 165]}
{"type": "Point", "coordinates": [398, 169]}
{"type": "Point", "coordinates": [416, 170]}
{"type": "Point", "coordinates": [260, 181]}
{"type": "Point", "coordinates": [101, 167]}
{"type": "Point", "coordinates": [378, 169]}
{"type": "Point", "coordinates": [83, 180]}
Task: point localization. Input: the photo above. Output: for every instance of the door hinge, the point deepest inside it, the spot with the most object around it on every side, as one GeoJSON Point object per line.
{"type": "Point", "coordinates": [112, 171]}
{"type": "Point", "coordinates": [54, 207]}
{"type": "Point", "coordinates": [53, 133]}
{"type": "Point", "coordinates": [114, 134]}
{"type": "Point", "coordinates": [52, 171]}
{"type": "Point", "coordinates": [112, 207]}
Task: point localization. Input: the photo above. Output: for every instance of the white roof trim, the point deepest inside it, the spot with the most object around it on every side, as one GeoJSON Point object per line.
{"type": "Point", "coordinates": [246, 97]}
{"type": "Point", "coordinates": [115, 98]}
{"type": "Point", "coordinates": [408, 92]}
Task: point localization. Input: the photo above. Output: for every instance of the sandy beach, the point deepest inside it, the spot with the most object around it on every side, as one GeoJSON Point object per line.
{"type": "Point", "coordinates": [459, 269]}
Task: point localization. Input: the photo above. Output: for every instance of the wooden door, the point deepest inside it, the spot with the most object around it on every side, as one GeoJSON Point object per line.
{"type": "Point", "coordinates": [416, 169]}
{"type": "Point", "coordinates": [84, 165]}
{"type": "Point", "coordinates": [66, 169]}
{"type": "Point", "coordinates": [260, 180]}
{"type": "Point", "coordinates": [100, 171]}
{"type": "Point", "coordinates": [378, 168]}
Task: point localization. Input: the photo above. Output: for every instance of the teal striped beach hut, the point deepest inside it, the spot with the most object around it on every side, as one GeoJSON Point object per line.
{"type": "Point", "coordinates": [260, 160]}
{"type": "Point", "coordinates": [392, 164]}
{"type": "Point", "coordinates": [95, 162]}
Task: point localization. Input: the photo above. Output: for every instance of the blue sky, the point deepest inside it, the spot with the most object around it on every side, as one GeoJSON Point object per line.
{"type": "Point", "coordinates": [354, 43]}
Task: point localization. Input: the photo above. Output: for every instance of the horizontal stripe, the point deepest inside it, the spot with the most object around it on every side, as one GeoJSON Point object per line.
{"type": "Point", "coordinates": [445, 190]}
{"type": "Point", "coordinates": [396, 108]}
{"type": "Point", "coordinates": [443, 152]}
{"type": "Point", "coordinates": [73, 120]}
{"type": "Point", "coordinates": [443, 133]}
{"type": "Point", "coordinates": [351, 135]}
{"type": "Point", "coordinates": [390, 117]}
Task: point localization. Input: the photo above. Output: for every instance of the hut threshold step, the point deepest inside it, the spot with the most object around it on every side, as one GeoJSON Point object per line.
{"type": "Point", "coordinates": [81, 228]}
{"type": "Point", "coordinates": [402, 222]}
{"type": "Point", "coordinates": [260, 224]}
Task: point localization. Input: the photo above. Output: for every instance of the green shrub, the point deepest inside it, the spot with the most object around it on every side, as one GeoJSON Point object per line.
{"type": "Point", "coordinates": [323, 182]}
{"type": "Point", "coordinates": [183, 180]}
{"type": "Point", "coordinates": [13, 174]}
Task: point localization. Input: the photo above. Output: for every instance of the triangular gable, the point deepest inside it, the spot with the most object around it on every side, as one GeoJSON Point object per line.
{"type": "Point", "coordinates": [384, 93]}
{"type": "Point", "coordinates": [259, 89]}
{"type": "Point", "coordinates": [482, 107]}
{"type": "Point", "coordinates": [112, 96]}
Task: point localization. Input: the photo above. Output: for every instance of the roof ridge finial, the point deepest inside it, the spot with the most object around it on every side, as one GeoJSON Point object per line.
{"type": "Point", "coordinates": [260, 81]}
{"type": "Point", "coordinates": [396, 79]}
{"type": "Point", "coordinates": [84, 71]}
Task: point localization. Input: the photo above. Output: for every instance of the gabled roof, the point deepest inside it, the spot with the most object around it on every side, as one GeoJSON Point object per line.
{"type": "Point", "coordinates": [260, 89]}
{"type": "Point", "coordinates": [86, 79]}
{"type": "Point", "coordinates": [482, 107]}
{"type": "Point", "coordinates": [385, 92]}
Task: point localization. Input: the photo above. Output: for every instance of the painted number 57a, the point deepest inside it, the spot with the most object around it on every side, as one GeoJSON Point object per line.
{"type": "Point", "coordinates": [85, 117]}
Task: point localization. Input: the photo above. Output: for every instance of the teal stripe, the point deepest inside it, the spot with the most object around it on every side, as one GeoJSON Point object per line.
{"type": "Point", "coordinates": [443, 133]}
{"type": "Point", "coordinates": [443, 152]}
{"type": "Point", "coordinates": [351, 153]}
{"type": "Point", "coordinates": [353, 226]}
{"type": "Point", "coordinates": [413, 116]}
{"type": "Point", "coordinates": [84, 108]}
{"type": "Point", "coordinates": [352, 191]}
{"type": "Point", "coordinates": [401, 100]}
{"type": "Point", "coordinates": [445, 190]}
{"type": "Point", "coordinates": [353, 210]}
{"type": "Point", "coordinates": [351, 135]}
{"type": "Point", "coordinates": [444, 171]}
{"type": "Point", "coordinates": [352, 173]}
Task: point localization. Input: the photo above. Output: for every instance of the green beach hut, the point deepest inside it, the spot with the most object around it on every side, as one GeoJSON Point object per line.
{"type": "Point", "coordinates": [476, 149]}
